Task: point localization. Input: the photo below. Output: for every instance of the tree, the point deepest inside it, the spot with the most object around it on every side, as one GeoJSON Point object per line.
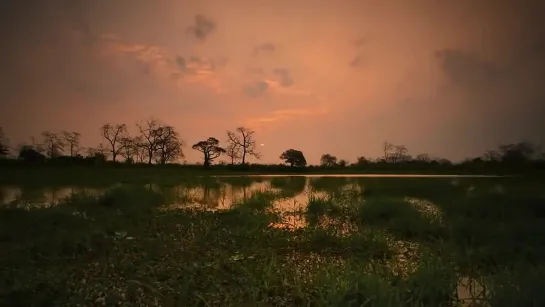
{"type": "Point", "coordinates": [234, 152]}
{"type": "Point", "coordinates": [210, 148]}
{"type": "Point", "coordinates": [4, 148]}
{"type": "Point", "coordinates": [128, 149]}
{"type": "Point", "coordinates": [400, 154]}
{"type": "Point", "coordinates": [328, 160]}
{"type": "Point", "coordinates": [114, 134]}
{"type": "Point", "coordinates": [519, 152]}
{"type": "Point", "coordinates": [422, 158]}
{"type": "Point", "coordinates": [245, 141]}
{"type": "Point", "coordinates": [362, 161]}
{"type": "Point", "coordinates": [72, 140]}
{"type": "Point", "coordinates": [53, 145]}
{"type": "Point", "coordinates": [294, 157]}
{"type": "Point", "coordinates": [387, 148]}
{"type": "Point", "coordinates": [169, 144]}
{"type": "Point", "coordinates": [343, 163]}
{"type": "Point", "coordinates": [149, 137]}
{"type": "Point", "coordinates": [29, 154]}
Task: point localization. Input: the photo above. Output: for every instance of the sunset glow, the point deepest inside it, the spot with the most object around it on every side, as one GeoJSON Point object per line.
{"type": "Point", "coordinates": [339, 77]}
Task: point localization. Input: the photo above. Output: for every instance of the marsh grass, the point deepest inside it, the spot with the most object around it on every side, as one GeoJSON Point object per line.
{"type": "Point", "coordinates": [416, 243]}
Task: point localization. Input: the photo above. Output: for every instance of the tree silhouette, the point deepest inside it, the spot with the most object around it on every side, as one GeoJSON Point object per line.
{"type": "Point", "coordinates": [210, 148]}
{"type": "Point", "coordinates": [53, 145]}
{"type": "Point", "coordinates": [244, 140]}
{"type": "Point", "coordinates": [328, 160]}
{"type": "Point", "coordinates": [234, 152]}
{"type": "Point", "coordinates": [294, 157]}
{"type": "Point", "coordinates": [149, 136]}
{"type": "Point", "coordinates": [4, 148]}
{"type": "Point", "coordinates": [72, 140]}
{"type": "Point", "coordinates": [169, 144]}
{"type": "Point", "coordinates": [114, 134]}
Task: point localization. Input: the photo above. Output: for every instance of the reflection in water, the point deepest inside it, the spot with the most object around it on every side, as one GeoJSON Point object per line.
{"type": "Point", "coordinates": [292, 195]}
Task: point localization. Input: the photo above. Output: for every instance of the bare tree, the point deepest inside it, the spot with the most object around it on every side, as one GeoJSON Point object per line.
{"type": "Point", "coordinates": [234, 152]}
{"type": "Point", "coordinates": [425, 158]}
{"type": "Point", "coordinates": [114, 134]}
{"type": "Point", "coordinates": [400, 154]}
{"type": "Point", "coordinates": [210, 148]}
{"type": "Point", "coordinates": [101, 149]}
{"type": "Point", "coordinates": [159, 141]}
{"type": "Point", "coordinates": [244, 139]}
{"type": "Point", "coordinates": [387, 148]}
{"type": "Point", "coordinates": [52, 144]}
{"type": "Point", "coordinates": [4, 147]}
{"type": "Point", "coordinates": [140, 150]}
{"type": "Point", "coordinates": [72, 140]}
{"type": "Point", "coordinates": [169, 144]}
{"type": "Point", "coordinates": [128, 149]}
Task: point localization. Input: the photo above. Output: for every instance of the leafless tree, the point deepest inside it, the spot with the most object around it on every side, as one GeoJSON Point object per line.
{"type": "Point", "coordinates": [400, 154]}
{"type": "Point", "coordinates": [244, 139]}
{"type": "Point", "coordinates": [234, 152]}
{"type": "Point", "coordinates": [387, 148]}
{"type": "Point", "coordinates": [72, 140]}
{"type": "Point", "coordinates": [160, 141]}
{"type": "Point", "coordinates": [4, 147]}
{"type": "Point", "coordinates": [140, 149]}
{"type": "Point", "coordinates": [114, 134]}
{"type": "Point", "coordinates": [101, 149]}
{"type": "Point", "coordinates": [128, 149]}
{"type": "Point", "coordinates": [210, 148]}
{"type": "Point", "coordinates": [52, 144]}
{"type": "Point", "coordinates": [169, 144]}
{"type": "Point", "coordinates": [423, 158]}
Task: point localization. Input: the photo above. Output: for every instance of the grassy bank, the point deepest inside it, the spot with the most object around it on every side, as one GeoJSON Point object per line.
{"type": "Point", "coordinates": [165, 174]}
{"type": "Point", "coordinates": [391, 244]}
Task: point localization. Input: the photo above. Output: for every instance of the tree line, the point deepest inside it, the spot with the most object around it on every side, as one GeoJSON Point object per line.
{"type": "Point", "coordinates": [160, 143]}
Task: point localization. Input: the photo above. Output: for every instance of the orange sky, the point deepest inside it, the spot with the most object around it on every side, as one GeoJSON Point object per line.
{"type": "Point", "coordinates": [448, 78]}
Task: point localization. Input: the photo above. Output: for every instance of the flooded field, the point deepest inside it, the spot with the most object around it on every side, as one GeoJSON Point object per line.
{"type": "Point", "coordinates": [277, 241]}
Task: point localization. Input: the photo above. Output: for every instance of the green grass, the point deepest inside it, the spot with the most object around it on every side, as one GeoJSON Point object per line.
{"type": "Point", "coordinates": [375, 245]}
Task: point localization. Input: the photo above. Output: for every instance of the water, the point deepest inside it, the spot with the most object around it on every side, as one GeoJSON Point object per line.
{"type": "Point", "coordinates": [221, 192]}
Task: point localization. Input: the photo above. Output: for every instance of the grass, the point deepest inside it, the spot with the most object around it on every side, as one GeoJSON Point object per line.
{"type": "Point", "coordinates": [358, 242]}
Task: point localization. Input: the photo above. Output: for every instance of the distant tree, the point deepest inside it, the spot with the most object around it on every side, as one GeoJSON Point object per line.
{"type": "Point", "coordinates": [362, 161]}
{"type": "Point", "coordinates": [114, 134]}
{"type": "Point", "coordinates": [328, 160]}
{"type": "Point", "coordinates": [140, 149]}
{"type": "Point", "coordinates": [150, 137]}
{"type": "Point", "coordinates": [343, 163]}
{"type": "Point", "coordinates": [52, 144]}
{"type": "Point", "coordinates": [29, 154]}
{"type": "Point", "coordinates": [169, 144]}
{"type": "Point", "coordinates": [387, 149]}
{"type": "Point", "coordinates": [234, 152]}
{"type": "Point", "coordinates": [400, 154]}
{"type": "Point", "coordinates": [519, 152]}
{"type": "Point", "coordinates": [294, 157]}
{"type": "Point", "coordinates": [423, 158]}
{"type": "Point", "coordinates": [211, 150]}
{"type": "Point", "coordinates": [128, 149]}
{"type": "Point", "coordinates": [101, 150]}
{"type": "Point", "coordinates": [4, 147]}
{"type": "Point", "coordinates": [72, 140]}
{"type": "Point", "coordinates": [243, 138]}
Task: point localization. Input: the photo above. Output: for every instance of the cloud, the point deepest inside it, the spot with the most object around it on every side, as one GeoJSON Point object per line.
{"type": "Point", "coordinates": [257, 89]}
{"type": "Point", "coordinates": [264, 48]}
{"type": "Point", "coordinates": [358, 61]}
{"type": "Point", "coordinates": [466, 69]}
{"type": "Point", "coordinates": [284, 76]}
{"type": "Point", "coordinates": [202, 28]}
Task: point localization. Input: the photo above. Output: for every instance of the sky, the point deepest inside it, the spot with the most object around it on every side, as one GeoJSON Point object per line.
{"type": "Point", "coordinates": [447, 78]}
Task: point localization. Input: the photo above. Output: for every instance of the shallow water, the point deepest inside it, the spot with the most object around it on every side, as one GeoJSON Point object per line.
{"type": "Point", "coordinates": [221, 192]}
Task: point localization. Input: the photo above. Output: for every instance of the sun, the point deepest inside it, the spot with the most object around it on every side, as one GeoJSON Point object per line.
{"type": "Point", "coordinates": [261, 144]}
